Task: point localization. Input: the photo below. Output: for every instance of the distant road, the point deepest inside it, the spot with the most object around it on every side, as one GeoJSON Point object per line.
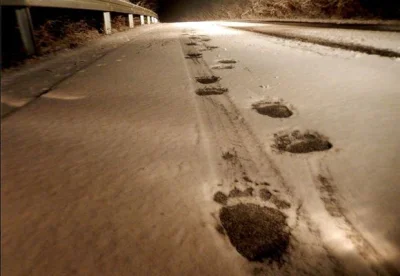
{"type": "Point", "coordinates": [387, 27]}
{"type": "Point", "coordinates": [373, 39]}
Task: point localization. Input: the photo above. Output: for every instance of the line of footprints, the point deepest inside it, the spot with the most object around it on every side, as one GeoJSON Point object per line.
{"type": "Point", "coordinates": [258, 233]}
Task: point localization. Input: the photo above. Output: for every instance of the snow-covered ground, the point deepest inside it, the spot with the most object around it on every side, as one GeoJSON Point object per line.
{"type": "Point", "coordinates": [352, 98]}
{"type": "Point", "coordinates": [376, 39]}
{"type": "Point", "coordinates": [20, 85]}
{"type": "Point", "coordinates": [114, 171]}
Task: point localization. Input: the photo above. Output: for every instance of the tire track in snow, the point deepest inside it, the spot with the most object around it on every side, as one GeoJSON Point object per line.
{"type": "Point", "coordinates": [246, 165]}
{"type": "Point", "coordinates": [234, 139]}
{"type": "Point", "coordinates": [327, 192]}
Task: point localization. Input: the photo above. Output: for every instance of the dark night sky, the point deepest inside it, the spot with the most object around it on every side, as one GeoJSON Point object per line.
{"type": "Point", "coordinates": [169, 10]}
{"type": "Point", "coordinates": [172, 10]}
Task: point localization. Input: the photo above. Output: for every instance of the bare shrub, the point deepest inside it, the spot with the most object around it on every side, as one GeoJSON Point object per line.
{"type": "Point", "coordinates": [245, 9]}
{"type": "Point", "coordinates": [119, 23]}
{"type": "Point", "coordinates": [148, 4]}
{"type": "Point", "coordinates": [56, 35]}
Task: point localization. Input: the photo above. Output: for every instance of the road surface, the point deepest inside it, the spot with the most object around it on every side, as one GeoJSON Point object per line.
{"type": "Point", "coordinates": [116, 169]}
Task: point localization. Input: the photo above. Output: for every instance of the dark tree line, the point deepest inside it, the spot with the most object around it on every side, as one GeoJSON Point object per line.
{"type": "Point", "coordinates": [220, 9]}
{"type": "Point", "coordinates": [149, 4]}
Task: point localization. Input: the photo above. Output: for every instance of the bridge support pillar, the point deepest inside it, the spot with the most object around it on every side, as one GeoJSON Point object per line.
{"type": "Point", "coordinates": [131, 22]}
{"type": "Point", "coordinates": [24, 22]}
{"type": "Point", "coordinates": [148, 20]}
{"type": "Point", "coordinates": [142, 20]}
{"type": "Point", "coordinates": [107, 22]}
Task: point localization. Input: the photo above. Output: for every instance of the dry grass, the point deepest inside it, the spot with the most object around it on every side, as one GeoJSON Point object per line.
{"type": "Point", "coordinates": [56, 35]}
{"type": "Point", "coordinates": [119, 23]}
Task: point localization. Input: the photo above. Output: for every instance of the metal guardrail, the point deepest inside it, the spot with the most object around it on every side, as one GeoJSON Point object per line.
{"type": "Point", "coordinates": [98, 5]}
{"type": "Point", "coordinates": [24, 20]}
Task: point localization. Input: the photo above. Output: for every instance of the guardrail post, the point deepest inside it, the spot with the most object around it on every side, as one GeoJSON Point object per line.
{"type": "Point", "coordinates": [26, 30]}
{"type": "Point", "coordinates": [148, 20]}
{"type": "Point", "coordinates": [131, 22]}
{"type": "Point", "coordinates": [107, 22]}
{"type": "Point", "coordinates": [142, 20]}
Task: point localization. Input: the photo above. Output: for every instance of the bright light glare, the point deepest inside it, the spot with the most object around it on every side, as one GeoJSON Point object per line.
{"type": "Point", "coordinates": [239, 24]}
{"type": "Point", "coordinates": [206, 27]}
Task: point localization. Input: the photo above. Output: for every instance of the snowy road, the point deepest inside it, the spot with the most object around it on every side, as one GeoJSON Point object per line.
{"type": "Point", "coordinates": [123, 168]}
